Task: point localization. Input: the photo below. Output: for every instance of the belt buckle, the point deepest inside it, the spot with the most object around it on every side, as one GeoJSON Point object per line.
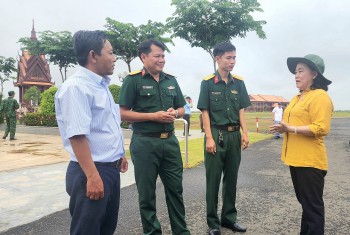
{"type": "Point", "coordinates": [164, 135]}
{"type": "Point", "coordinates": [230, 128]}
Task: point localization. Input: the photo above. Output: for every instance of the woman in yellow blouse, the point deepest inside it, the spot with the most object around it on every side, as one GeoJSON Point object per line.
{"type": "Point", "coordinates": [306, 122]}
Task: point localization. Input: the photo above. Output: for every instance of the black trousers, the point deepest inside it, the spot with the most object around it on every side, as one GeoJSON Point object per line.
{"type": "Point", "coordinates": [308, 185]}
{"type": "Point", "coordinates": [187, 117]}
{"type": "Point", "coordinates": [93, 217]}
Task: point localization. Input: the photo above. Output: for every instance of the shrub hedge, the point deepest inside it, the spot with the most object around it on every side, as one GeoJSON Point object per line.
{"type": "Point", "coordinates": [40, 119]}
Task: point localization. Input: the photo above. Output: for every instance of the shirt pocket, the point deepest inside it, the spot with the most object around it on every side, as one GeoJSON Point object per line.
{"type": "Point", "coordinates": [168, 98]}
{"type": "Point", "coordinates": [148, 98]}
{"type": "Point", "coordinates": [217, 102]}
{"type": "Point", "coordinates": [235, 101]}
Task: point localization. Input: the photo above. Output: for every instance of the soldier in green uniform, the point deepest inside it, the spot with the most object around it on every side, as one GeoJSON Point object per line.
{"type": "Point", "coordinates": [222, 100]}
{"type": "Point", "coordinates": [8, 107]}
{"type": "Point", "coordinates": [151, 100]}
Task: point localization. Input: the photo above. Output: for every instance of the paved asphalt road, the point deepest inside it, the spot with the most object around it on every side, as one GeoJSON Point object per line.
{"type": "Point", "coordinates": [266, 202]}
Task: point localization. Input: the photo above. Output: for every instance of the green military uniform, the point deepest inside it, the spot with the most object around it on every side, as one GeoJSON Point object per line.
{"type": "Point", "coordinates": [154, 149]}
{"type": "Point", "coordinates": [8, 107]}
{"type": "Point", "coordinates": [223, 102]}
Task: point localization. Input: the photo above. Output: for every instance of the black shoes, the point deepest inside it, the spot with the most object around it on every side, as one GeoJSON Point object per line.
{"type": "Point", "coordinates": [13, 139]}
{"type": "Point", "coordinates": [4, 137]}
{"type": "Point", "coordinates": [236, 227]}
{"type": "Point", "coordinates": [214, 231]}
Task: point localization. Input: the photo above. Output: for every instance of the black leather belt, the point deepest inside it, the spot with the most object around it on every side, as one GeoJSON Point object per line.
{"type": "Point", "coordinates": [229, 128]}
{"type": "Point", "coordinates": [115, 164]}
{"type": "Point", "coordinates": [162, 135]}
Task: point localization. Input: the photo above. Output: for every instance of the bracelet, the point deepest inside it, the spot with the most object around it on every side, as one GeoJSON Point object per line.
{"type": "Point", "coordinates": [177, 113]}
{"type": "Point", "coordinates": [295, 130]}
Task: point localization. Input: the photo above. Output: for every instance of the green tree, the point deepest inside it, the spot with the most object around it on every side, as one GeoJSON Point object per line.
{"type": "Point", "coordinates": [47, 104]}
{"type": "Point", "coordinates": [115, 90]}
{"type": "Point", "coordinates": [7, 67]}
{"type": "Point", "coordinates": [57, 46]}
{"type": "Point", "coordinates": [35, 47]}
{"type": "Point", "coordinates": [125, 37]}
{"type": "Point", "coordinates": [33, 94]}
{"type": "Point", "coordinates": [204, 23]}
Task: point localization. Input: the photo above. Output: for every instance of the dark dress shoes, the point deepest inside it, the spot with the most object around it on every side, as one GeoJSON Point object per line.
{"type": "Point", "coordinates": [214, 231]}
{"type": "Point", "coordinates": [13, 139]}
{"type": "Point", "coordinates": [236, 227]}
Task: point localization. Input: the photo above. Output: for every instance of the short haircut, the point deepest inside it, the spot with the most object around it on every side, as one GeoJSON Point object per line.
{"type": "Point", "coordinates": [145, 46]}
{"type": "Point", "coordinates": [223, 47]}
{"type": "Point", "coordinates": [86, 41]}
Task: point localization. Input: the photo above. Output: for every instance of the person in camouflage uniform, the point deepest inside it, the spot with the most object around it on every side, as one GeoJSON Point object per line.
{"type": "Point", "coordinates": [8, 107]}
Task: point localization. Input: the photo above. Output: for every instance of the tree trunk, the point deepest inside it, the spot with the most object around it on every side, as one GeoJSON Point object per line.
{"type": "Point", "coordinates": [61, 75]}
{"type": "Point", "coordinates": [65, 73]}
{"type": "Point", "coordinates": [129, 67]}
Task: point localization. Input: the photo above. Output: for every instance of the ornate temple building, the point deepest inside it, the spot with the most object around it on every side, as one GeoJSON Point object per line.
{"type": "Point", "coordinates": [33, 70]}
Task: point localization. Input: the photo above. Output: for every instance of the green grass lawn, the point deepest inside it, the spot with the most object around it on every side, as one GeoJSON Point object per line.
{"type": "Point", "coordinates": [196, 148]}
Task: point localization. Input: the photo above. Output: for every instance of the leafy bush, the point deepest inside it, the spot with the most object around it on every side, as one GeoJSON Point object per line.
{"type": "Point", "coordinates": [47, 105]}
{"type": "Point", "coordinates": [40, 119]}
{"type": "Point", "coordinates": [33, 94]}
{"type": "Point", "coordinates": [115, 90]}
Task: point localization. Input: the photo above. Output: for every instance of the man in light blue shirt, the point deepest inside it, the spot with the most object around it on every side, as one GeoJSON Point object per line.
{"type": "Point", "coordinates": [187, 115]}
{"type": "Point", "coordinates": [89, 123]}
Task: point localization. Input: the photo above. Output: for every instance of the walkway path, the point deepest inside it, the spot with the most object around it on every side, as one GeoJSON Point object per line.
{"type": "Point", "coordinates": [32, 173]}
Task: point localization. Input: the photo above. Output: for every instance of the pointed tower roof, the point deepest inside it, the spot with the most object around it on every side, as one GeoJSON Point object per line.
{"type": "Point", "coordinates": [33, 69]}
{"type": "Point", "coordinates": [33, 35]}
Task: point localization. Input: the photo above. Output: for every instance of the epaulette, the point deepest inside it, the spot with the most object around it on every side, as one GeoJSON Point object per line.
{"type": "Point", "coordinates": [169, 74]}
{"type": "Point", "coordinates": [237, 77]}
{"type": "Point", "coordinates": [135, 72]}
{"type": "Point", "coordinates": [209, 77]}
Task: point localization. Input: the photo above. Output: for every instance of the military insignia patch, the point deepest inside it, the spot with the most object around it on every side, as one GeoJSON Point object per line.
{"type": "Point", "coordinates": [147, 87]}
{"type": "Point", "coordinates": [171, 87]}
{"type": "Point", "coordinates": [216, 79]}
{"type": "Point", "coordinates": [234, 92]}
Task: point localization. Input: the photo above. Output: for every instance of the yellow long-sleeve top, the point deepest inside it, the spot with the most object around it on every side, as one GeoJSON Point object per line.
{"type": "Point", "coordinates": [315, 110]}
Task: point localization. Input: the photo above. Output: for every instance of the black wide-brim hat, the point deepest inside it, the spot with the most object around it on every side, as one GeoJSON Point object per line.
{"type": "Point", "coordinates": [313, 61]}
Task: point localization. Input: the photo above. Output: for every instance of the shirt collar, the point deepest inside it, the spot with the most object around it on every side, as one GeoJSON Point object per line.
{"type": "Point", "coordinates": [218, 78]}
{"type": "Point", "coordinates": [144, 73]}
{"type": "Point", "coordinates": [95, 77]}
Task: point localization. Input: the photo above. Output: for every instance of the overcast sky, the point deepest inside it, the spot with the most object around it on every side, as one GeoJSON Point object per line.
{"type": "Point", "coordinates": [294, 28]}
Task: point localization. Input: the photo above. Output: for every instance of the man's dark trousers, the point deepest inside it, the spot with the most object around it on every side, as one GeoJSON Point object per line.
{"type": "Point", "coordinates": [93, 217]}
{"type": "Point", "coordinates": [151, 157]}
{"type": "Point", "coordinates": [226, 160]}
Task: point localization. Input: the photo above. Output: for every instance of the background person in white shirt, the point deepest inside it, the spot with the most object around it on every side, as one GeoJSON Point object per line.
{"type": "Point", "coordinates": [187, 115]}
{"type": "Point", "coordinates": [277, 114]}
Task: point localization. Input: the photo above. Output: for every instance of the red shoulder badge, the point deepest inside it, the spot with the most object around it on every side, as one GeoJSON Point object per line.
{"type": "Point", "coordinates": [216, 79]}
